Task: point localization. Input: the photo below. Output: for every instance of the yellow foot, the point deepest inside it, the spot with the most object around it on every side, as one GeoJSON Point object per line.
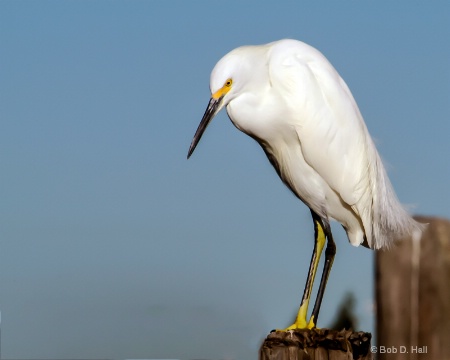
{"type": "Point", "coordinates": [301, 324]}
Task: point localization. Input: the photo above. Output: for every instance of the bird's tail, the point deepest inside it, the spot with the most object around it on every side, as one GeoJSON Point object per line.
{"type": "Point", "coordinates": [385, 220]}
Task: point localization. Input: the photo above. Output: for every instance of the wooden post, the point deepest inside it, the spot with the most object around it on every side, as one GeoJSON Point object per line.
{"type": "Point", "coordinates": [413, 296]}
{"type": "Point", "coordinates": [316, 344]}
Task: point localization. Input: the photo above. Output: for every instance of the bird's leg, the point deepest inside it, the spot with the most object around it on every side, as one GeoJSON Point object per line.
{"type": "Point", "coordinates": [329, 258]}
{"type": "Point", "coordinates": [319, 242]}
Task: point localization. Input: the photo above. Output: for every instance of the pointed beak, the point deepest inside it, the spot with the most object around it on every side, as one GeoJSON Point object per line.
{"type": "Point", "coordinates": [211, 111]}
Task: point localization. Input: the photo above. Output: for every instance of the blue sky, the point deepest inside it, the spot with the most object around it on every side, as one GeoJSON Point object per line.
{"type": "Point", "coordinates": [113, 245]}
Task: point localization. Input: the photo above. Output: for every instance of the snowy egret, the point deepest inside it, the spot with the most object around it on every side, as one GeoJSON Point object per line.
{"type": "Point", "coordinates": [291, 100]}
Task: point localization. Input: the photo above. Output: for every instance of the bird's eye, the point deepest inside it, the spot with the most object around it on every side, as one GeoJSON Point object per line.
{"type": "Point", "coordinates": [228, 83]}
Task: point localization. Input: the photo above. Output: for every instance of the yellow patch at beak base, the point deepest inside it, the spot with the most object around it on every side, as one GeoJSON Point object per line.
{"type": "Point", "coordinates": [223, 90]}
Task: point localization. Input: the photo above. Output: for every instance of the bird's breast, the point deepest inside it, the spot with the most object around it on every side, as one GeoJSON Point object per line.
{"type": "Point", "coordinates": [260, 116]}
{"type": "Point", "coordinates": [265, 122]}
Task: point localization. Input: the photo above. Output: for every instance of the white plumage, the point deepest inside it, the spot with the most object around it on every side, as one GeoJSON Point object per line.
{"type": "Point", "coordinates": [291, 100]}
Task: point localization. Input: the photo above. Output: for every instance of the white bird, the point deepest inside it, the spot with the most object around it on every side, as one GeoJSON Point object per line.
{"type": "Point", "coordinates": [289, 98]}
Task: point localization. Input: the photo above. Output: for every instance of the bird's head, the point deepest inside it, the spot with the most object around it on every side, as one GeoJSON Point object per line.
{"type": "Point", "coordinates": [228, 79]}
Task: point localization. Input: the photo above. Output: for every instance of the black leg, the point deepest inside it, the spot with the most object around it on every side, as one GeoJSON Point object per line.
{"type": "Point", "coordinates": [314, 258]}
{"type": "Point", "coordinates": [319, 243]}
{"type": "Point", "coordinates": [330, 252]}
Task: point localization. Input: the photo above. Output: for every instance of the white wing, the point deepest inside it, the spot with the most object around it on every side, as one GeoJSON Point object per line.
{"type": "Point", "coordinates": [335, 141]}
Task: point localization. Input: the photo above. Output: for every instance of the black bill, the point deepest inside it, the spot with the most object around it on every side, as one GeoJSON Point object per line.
{"type": "Point", "coordinates": [210, 112]}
